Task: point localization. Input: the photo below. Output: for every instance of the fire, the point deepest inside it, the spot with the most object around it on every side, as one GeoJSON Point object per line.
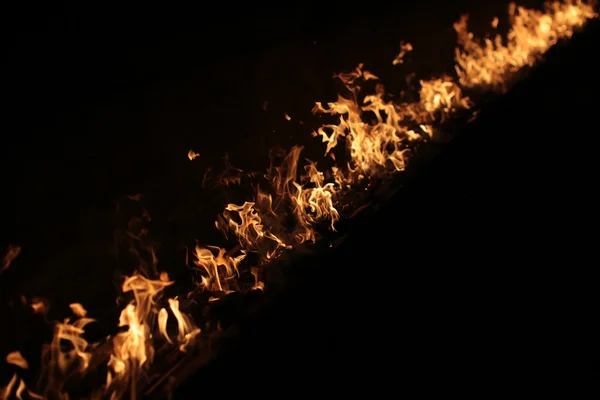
{"type": "Point", "coordinates": [404, 49]}
{"type": "Point", "coordinates": [12, 253]}
{"type": "Point", "coordinates": [492, 62]}
{"type": "Point", "coordinates": [376, 149]}
{"type": "Point", "coordinates": [132, 349]}
{"type": "Point", "coordinates": [186, 328]}
{"type": "Point", "coordinates": [293, 201]}
{"type": "Point", "coordinates": [193, 155]}
{"type": "Point", "coordinates": [304, 200]}
{"type": "Point", "coordinates": [217, 270]}
{"type": "Point", "coordinates": [17, 359]}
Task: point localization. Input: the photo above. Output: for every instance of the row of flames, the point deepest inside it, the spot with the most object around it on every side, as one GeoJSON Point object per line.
{"type": "Point", "coordinates": [288, 206]}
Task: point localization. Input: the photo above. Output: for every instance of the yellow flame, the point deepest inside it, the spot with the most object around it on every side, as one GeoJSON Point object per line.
{"type": "Point", "coordinates": [186, 327]}
{"type": "Point", "coordinates": [67, 354]}
{"type": "Point", "coordinates": [132, 349]}
{"type": "Point", "coordinates": [491, 62]}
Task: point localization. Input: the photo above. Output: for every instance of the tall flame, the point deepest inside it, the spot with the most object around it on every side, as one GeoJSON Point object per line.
{"type": "Point", "coordinates": [132, 349]}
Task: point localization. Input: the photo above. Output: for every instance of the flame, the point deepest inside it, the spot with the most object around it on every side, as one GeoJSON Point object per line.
{"type": "Point", "coordinates": [68, 353]}
{"type": "Point", "coordinates": [78, 310]}
{"type": "Point", "coordinates": [163, 317]}
{"type": "Point", "coordinates": [39, 306]}
{"type": "Point", "coordinates": [404, 49]}
{"type": "Point", "coordinates": [11, 253]}
{"type": "Point", "coordinates": [7, 390]}
{"type": "Point", "coordinates": [15, 358]}
{"type": "Point", "coordinates": [492, 62]}
{"type": "Point", "coordinates": [287, 214]}
{"type": "Point", "coordinates": [378, 148]}
{"type": "Point", "coordinates": [132, 349]}
{"type": "Point", "coordinates": [22, 388]}
{"type": "Point", "coordinates": [192, 155]}
{"type": "Point", "coordinates": [186, 328]}
{"type": "Point", "coordinates": [217, 270]}
{"type": "Point", "coordinates": [293, 202]}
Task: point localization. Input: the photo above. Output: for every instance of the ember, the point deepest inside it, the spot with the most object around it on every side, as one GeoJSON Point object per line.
{"type": "Point", "coordinates": [170, 321]}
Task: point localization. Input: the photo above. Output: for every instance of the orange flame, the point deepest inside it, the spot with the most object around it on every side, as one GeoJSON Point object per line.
{"type": "Point", "coordinates": [492, 62]}
{"type": "Point", "coordinates": [11, 253]}
{"type": "Point", "coordinates": [290, 205]}
{"type": "Point", "coordinates": [68, 354]}
{"type": "Point", "coordinates": [132, 349]}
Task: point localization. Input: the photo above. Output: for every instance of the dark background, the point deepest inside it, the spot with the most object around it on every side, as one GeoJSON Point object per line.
{"type": "Point", "coordinates": [105, 100]}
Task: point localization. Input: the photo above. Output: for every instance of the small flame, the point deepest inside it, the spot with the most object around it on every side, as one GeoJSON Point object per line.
{"type": "Point", "coordinates": [495, 22]}
{"type": "Point", "coordinates": [22, 388]}
{"type": "Point", "coordinates": [404, 49]}
{"type": "Point", "coordinates": [67, 354]}
{"type": "Point", "coordinates": [11, 253]}
{"type": "Point", "coordinates": [132, 349]}
{"type": "Point", "coordinates": [15, 358]}
{"type": "Point", "coordinates": [258, 225]}
{"type": "Point", "coordinates": [78, 310]}
{"type": "Point", "coordinates": [217, 270]}
{"type": "Point", "coordinates": [192, 155]}
{"type": "Point", "coordinates": [186, 327]}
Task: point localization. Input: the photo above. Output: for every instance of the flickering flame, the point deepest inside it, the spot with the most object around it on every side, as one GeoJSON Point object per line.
{"type": "Point", "coordinates": [293, 201]}
{"type": "Point", "coordinates": [375, 149]}
{"type": "Point", "coordinates": [78, 310]}
{"type": "Point", "coordinates": [491, 62]}
{"type": "Point", "coordinates": [186, 328]}
{"type": "Point", "coordinates": [6, 391]}
{"type": "Point", "coordinates": [132, 349]}
{"type": "Point", "coordinates": [39, 306]}
{"type": "Point", "coordinates": [15, 358]}
{"type": "Point", "coordinates": [67, 354]}
{"type": "Point", "coordinates": [163, 318]}
{"type": "Point", "coordinates": [404, 49]}
{"type": "Point", "coordinates": [11, 253]}
{"type": "Point", "coordinates": [308, 199]}
{"type": "Point", "coordinates": [192, 155]}
{"type": "Point", "coordinates": [218, 271]}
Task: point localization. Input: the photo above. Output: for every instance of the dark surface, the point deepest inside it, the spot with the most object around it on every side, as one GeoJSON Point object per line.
{"type": "Point", "coordinates": [478, 276]}
{"type": "Point", "coordinates": [107, 101]}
